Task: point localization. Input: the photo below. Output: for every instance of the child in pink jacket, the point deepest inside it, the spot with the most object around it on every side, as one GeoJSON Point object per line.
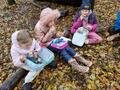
{"type": "Point", "coordinates": [42, 27]}
{"type": "Point", "coordinates": [87, 19]}
{"type": "Point", "coordinates": [22, 45]}
{"type": "Point", "coordinates": [45, 33]}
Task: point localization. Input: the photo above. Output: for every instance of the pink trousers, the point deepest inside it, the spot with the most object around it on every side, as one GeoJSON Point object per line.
{"type": "Point", "coordinates": [94, 38]}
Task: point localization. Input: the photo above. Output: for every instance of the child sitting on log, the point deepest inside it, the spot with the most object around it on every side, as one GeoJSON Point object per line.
{"type": "Point", "coordinates": [25, 53]}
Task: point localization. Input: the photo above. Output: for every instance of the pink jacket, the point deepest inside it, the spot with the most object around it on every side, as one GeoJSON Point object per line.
{"type": "Point", "coordinates": [92, 21]}
{"type": "Point", "coordinates": [42, 30]}
{"type": "Point", "coordinates": [16, 50]}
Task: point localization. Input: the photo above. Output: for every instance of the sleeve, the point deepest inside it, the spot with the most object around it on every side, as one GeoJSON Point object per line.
{"type": "Point", "coordinates": [76, 25]}
{"type": "Point", "coordinates": [94, 27]}
{"type": "Point", "coordinates": [16, 57]}
{"type": "Point", "coordinates": [39, 35]}
{"type": "Point", "coordinates": [49, 34]}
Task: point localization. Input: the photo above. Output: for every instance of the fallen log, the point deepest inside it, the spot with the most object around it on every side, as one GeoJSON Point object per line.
{"type": "Point", "coordinates": [76, 3]}
{"type": "Point", "coordinates": [67, 2]}
{"type": "Point", "coordinates": [11, 82]}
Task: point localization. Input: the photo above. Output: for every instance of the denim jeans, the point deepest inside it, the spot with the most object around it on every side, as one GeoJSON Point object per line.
{"type": "Point", "coordinates": [66, 53]}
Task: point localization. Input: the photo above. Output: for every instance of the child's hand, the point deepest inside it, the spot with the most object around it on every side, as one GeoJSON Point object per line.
{"type": "Point", "coordinates": [60, 33]}
{"type": "Point", "coordinates": [52, 23]}
{"type": "Point", "coordinates": [35, 54]}
{"type": "Point", "coordinates": [89, 27]}
{"type": "Point", "coordinates": [52, 30]}
{"type": "Point", "coordinates": [80, 29]}
{"type": "Point", "coordinates": [39, 35]}
{"type": "Point", "coordinates": [81, 17]}
{"type": "Point", "coordinates": [22, 58]}
{"type": "Point", "coordinates": [30, 54]}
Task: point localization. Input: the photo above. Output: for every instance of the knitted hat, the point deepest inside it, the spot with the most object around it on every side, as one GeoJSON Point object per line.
{"type": "Point", "coordinates": [85, 6]}
{"type": "Point", "coordinates": [49, 14]}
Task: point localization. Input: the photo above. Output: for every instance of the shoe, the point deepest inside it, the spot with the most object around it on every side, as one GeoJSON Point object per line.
{"type": "Point", "coordinates": [82, 69]}
{"type": "Point", "coordinates": [84, 61]}
{"type": "Point", "coordinates": [111, 38]}
{"type": "Point", "coordinates": [88, 63]}
{"type": "Point", "coordinates": [27, 86]}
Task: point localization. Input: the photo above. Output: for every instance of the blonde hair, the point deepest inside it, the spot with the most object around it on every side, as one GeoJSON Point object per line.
{"type": "Point", "coordinates": [24, 36]}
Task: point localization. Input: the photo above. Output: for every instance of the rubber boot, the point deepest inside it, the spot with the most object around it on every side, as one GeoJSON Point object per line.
{"type": "Point", "coordinates": [27, 86]}
{"type": "Point", "coordinates": [76, 66]}
{"type": "Point", "coordinates": [83, 60]}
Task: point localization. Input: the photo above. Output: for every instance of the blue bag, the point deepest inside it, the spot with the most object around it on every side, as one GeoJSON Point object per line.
{"type": "Point", "coordinates": [46, 57]}
{"type": "Point", "coordinates": [116, 25]}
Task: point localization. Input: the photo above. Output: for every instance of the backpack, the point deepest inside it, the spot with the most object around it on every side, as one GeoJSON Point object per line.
{"type": "Point", "coordinates": [46, 57]}
{"type": "Point", "coordinates": [116, 25]}
{"type": "Point", "coordinates": [59, 43]}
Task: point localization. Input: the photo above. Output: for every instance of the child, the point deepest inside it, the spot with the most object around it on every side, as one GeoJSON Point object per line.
{"type": "Point", "coordinates": [22, 45]}
{"type": "Point", "coordinates": [87, 19]}
{"type": "Point", "coordinates": [115, 30]}
{"type": "Point", "coordinates": [46, 33]}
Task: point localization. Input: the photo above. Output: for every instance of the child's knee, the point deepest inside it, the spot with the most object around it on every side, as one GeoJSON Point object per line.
{"type": "Point", "coordinates": [99, 39]}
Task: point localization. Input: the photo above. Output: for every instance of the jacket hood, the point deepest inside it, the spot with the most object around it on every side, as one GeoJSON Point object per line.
{"type": "Point", "coordinates": [14, 37]}
{"type": "Point", "coordinates": [48, 15]}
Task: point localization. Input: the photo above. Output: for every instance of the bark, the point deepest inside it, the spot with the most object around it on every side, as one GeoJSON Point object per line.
{"type": "Point", "coordinates": [11, 82]}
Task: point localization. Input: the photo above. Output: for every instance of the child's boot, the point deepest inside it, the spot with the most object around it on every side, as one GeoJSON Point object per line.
{"type": "Point", "coordinates": [78, 67]}
{"type": "Point", "coordinates": [83, 60]}
{"type": "Point", "coordinates": [27, 86]}
{"type": "Point", "coordinates": [110, 38]}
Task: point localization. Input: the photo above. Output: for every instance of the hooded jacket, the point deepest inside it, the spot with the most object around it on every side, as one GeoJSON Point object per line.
{"type": "Point", "coordinates": [79, 23]}
{"type": "Point", "coordinates": [17, 51]}
{"type": "Point", "coordinates": [43, 32]}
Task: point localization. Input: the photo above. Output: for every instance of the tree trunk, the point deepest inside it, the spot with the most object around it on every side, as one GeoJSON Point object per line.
{"type": "Point", "coordinates": [11, 82]}
{"type": "Point", "coordinates": [69, 2]}
{"type": "Point", "coordinates": [76, 3]}
{"type": "Point", "coordinates": [11, 2]}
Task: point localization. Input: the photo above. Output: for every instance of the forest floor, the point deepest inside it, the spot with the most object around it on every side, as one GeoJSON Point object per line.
{"type": "Point", "coordinates": [105, 71]}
